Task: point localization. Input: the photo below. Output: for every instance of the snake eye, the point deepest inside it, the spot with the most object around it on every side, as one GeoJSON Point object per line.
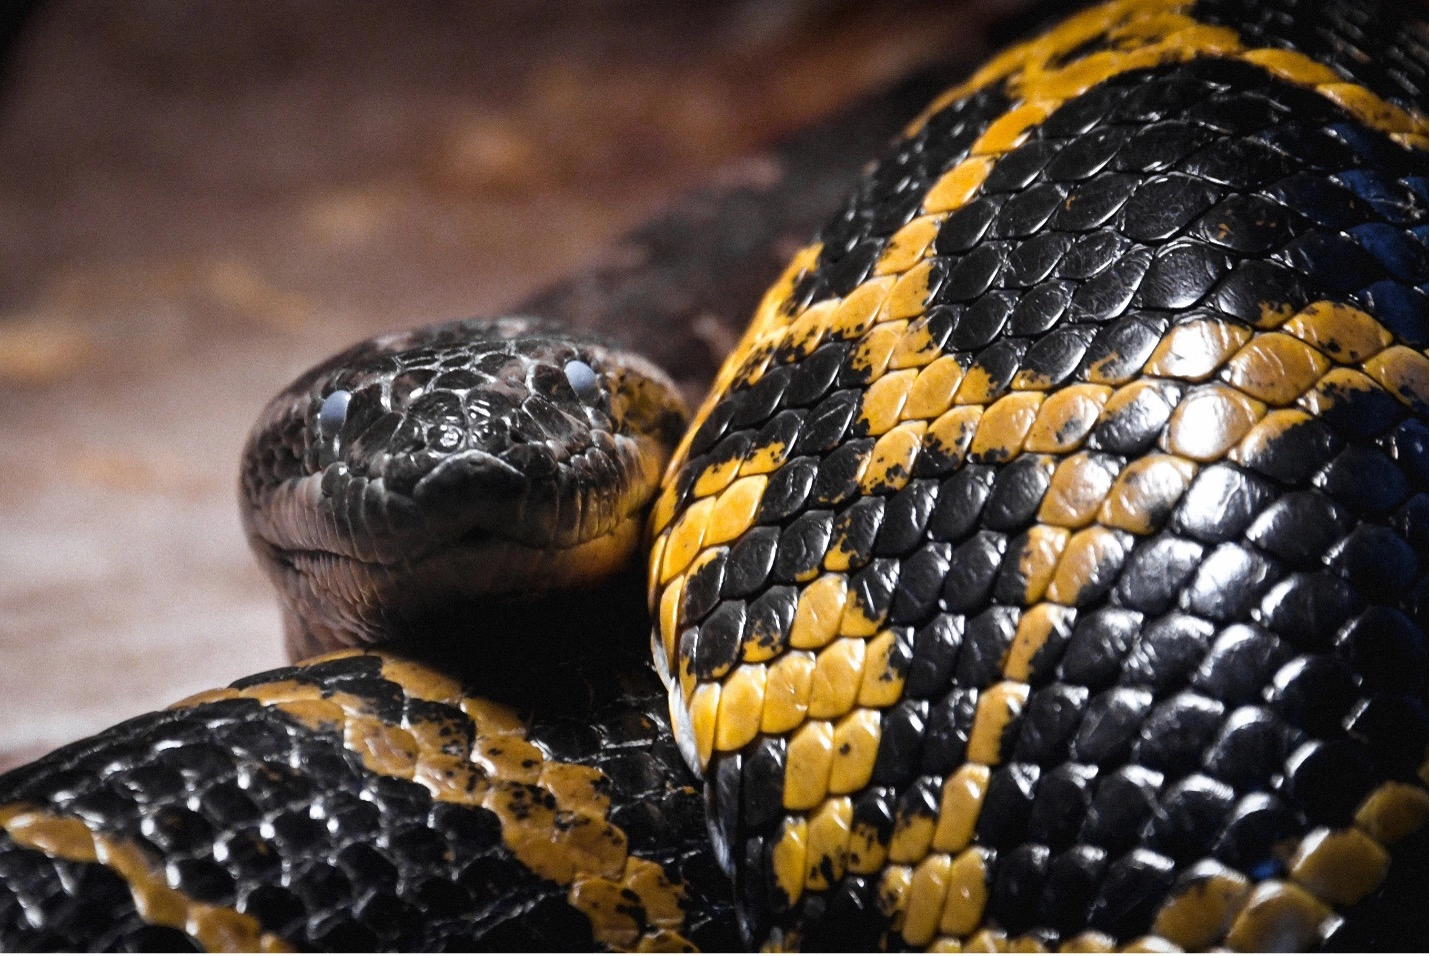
{"type": "Point", "coordinates": [333, 413]}
{"type": "Point", "coordinates": [583, 381]}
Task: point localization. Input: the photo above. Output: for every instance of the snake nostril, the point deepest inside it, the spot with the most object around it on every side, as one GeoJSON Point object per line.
{"type": "Point", "coordinates": [334, 413]}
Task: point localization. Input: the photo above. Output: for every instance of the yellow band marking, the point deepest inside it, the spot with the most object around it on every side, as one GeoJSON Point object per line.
{"type": "Point", "coordinates": [1339, 866]}
{"type": "Point", "coordinates": [217, 928]}
{"type": "Point", "coordinates": [1277, 917]}
{"type": "Point", "coordinates": [913, 835]}
{"type": "Point", "coordinates": [1004, 425]}
{"type": "Point", "coordinates": [1090, 942]}
{"type": "Point", "coordinates": [1197, 918]}
{"type": "Point", "coordinates": [967, 893]}
{"type": "Point", "coordinates": [1038, 623]}
{"type": "Point", "coordinates": [788, 856]}
{"type": "Point", "coordinates": [880, 684]}
{"type": "Point", "coordinates": [1135, 34]}
{"type": "Point", "coordinates": [716, 478]}
{"type": "Point", "coordinates": [704, 704]}
{"type": "Point", "coordinates": [770, 312]}
{"type": "Point", "coordinates": [742, 701]}
{"type": "Point", "coordinates": [735, 509]}
{"type": "Point", "coordinates": [928, 889]}
{"type": "Point", "coordinates": [787, 692]}
{"type": "Point", "coordinates": [958, 810]}
{"type": "Point", "coordinates": [554, 815]}
{"type": "Point", "coordinates": [1193, 351]}
{"type": "Point", "coordinates": [668, 619]}
{"type": "Point", "coordinates": [1402, 372]}
{"type": "Point", "coordinates": [827, 843]}
{"type": "Point", "coordinates": [1086, 49]}
{"type": "Point", "coordinates": [1038, 559]}
{"type": "Point", "coordinates": [762, 461]}
{"type": "Point", "coordinates": [1248, 387]}
{"type": "Point", "coordinates": [819, 612]}
{"type": "Point", "coordinates": [1325, 344]}
{"type": "Point", "coordinates": [835, 682]}
{"type": "Point", "coordinates": [1275, 368]}
{"type": "Point", "coordinates": [808, 759]}
{"type": "Point", "coordinates": [998, 706]}
{"type": "Point", "coordinates": [1392, 811]}
{"type": "Point", "coordinates": [885, 399]}
{"type": "Point", "coordinates": [867, 852]}
{"type": "Point", "coordinates": [855, 747]}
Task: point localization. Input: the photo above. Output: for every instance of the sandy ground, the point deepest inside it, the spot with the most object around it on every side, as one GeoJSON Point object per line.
{"type": "Point", "coordinates": [200, 201]}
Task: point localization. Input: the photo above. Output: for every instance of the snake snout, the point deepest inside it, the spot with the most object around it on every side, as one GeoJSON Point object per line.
{"type": "Point", "coordinates": [459, 463]}
{"type": "Point", "coordinates": [475, 493]}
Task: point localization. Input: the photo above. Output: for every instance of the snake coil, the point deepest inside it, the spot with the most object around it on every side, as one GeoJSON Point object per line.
{"type": "Point", "coordinates": [1045, 570]}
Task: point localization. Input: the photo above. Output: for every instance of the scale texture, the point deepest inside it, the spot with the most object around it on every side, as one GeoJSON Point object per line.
{"type": "Point", "coordinates": [1048, 566]}
{"type": "Point", "coordinates": [1046, 570]}
{"type": "Point", "coordinates": [366, 802]}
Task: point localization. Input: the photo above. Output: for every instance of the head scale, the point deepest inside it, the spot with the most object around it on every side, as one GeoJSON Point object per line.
{"type": "Point", "coordinates": [420, 472]}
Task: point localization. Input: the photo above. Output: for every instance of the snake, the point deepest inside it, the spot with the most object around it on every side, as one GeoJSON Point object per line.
{"type": "Point", "coordinates": [1044, 570]}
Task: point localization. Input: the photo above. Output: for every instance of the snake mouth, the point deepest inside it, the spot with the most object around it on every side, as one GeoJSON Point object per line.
{"type": "Point", "coordinates": [463, 463]}
{"type": "Point", "coordinates": [338, 600]}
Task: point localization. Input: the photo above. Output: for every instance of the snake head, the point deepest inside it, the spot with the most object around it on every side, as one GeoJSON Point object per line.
{"type": "Point", "coordinates": [477, 461]}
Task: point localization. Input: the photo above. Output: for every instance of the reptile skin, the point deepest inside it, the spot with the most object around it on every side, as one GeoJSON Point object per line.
{"type": "Point", "coordinates": [1046, 569]}
{"type": "Point", "coordinates": [1048, 563]}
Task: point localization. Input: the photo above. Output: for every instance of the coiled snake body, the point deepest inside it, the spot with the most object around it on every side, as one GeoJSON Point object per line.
{"type": "Point", "coordinates": [1045, 569]}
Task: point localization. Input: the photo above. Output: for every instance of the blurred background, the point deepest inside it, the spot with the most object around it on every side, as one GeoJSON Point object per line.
{"type": "Point", "coordinates": [198, 201]}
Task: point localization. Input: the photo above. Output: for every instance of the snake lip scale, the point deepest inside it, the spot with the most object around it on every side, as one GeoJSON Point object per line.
{"type": "Point", "coordinates": [1045, 570]}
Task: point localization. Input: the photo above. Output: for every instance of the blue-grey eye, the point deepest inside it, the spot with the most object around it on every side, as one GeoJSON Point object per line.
{"type": "Point", "coordinates": [583, 380]}
{"type": "Point", "coordinates": [333, 413]}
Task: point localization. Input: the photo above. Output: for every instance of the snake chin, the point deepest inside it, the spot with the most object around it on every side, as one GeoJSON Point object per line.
{"type": "Point", "coordinates": [333, 601]}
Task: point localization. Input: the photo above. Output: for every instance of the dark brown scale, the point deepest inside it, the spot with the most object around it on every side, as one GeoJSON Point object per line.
{"type": "Point", "coordinates": [1052, 716]}
{"type": "Point", "coordinates": [973, 567]}
{"type": "Point", "coordinates": [945, 743]}
{"type": "Point", "coordinates": [1009, 802]}
{"type": "Point", "coordinates": [921, 579]}
{"type": "Point", "coordinates": [871, 591]}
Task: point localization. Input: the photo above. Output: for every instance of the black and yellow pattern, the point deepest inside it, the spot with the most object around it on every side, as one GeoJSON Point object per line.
{"type": "Point", "coordinates": [363, 801]}
{"type": "Point", "coordinates": [1047, 567]}
{"type": "Point", "coordinates": [1046, 571]}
